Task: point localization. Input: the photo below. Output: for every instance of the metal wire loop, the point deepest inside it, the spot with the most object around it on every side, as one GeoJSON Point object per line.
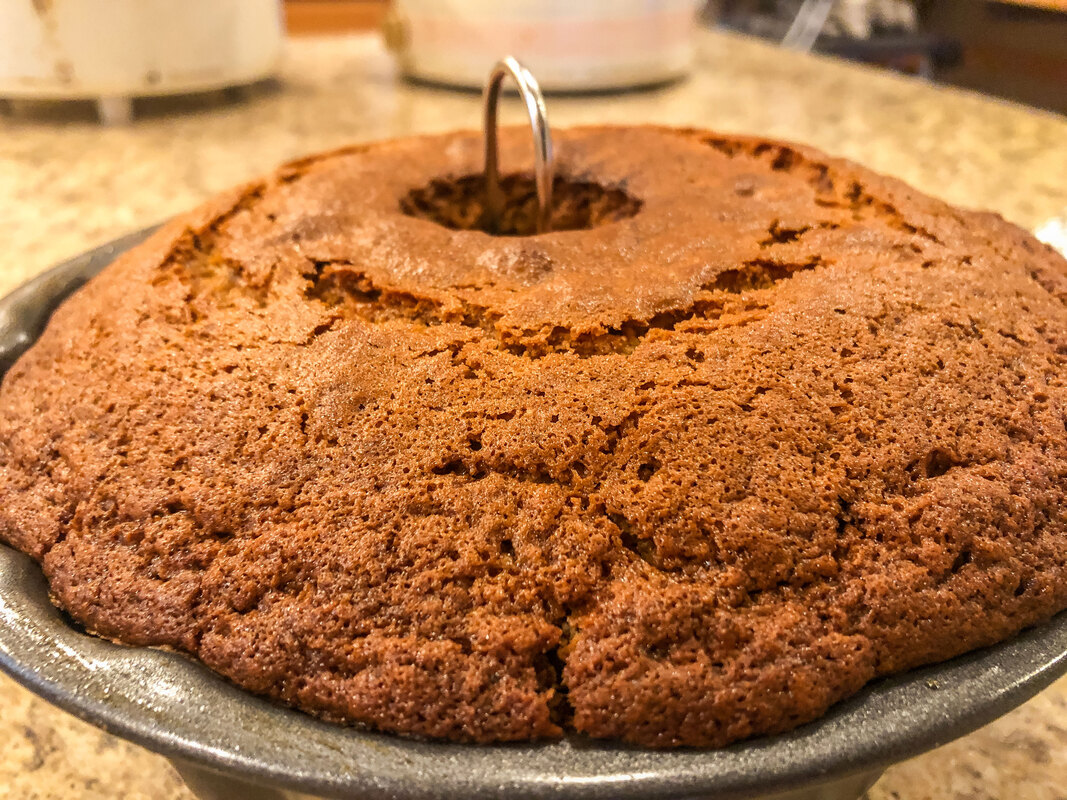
{"type": "Point", "coordinates": [544, 163]}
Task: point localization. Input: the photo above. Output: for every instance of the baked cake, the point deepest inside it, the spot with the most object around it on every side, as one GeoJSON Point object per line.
{"type": "Point", "coordinates": [751, 427]}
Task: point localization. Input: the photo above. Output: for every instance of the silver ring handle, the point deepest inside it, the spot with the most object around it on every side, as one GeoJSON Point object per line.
{"type": "Point", "coordinates": [544, 160]}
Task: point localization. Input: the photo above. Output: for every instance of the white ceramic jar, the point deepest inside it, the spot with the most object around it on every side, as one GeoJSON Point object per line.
{"type": "Point", "coordinates": [568, 44]}
{"type": "Point", "coordinates": [123, 48]}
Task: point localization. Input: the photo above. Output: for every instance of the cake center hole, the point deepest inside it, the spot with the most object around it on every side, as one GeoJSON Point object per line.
{"type": "Point", "coordinates": [459, 204]}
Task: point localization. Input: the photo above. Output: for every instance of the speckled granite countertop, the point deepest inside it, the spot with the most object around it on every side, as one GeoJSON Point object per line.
{"type": "Point", "coordinates": [66, 185]}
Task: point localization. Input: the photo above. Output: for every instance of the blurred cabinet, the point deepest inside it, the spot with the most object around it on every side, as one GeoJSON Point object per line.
{"type": "Point", "coordinates": [1012, 49]}
{"type": "Point", "coordinates": [1056, 5]}
{"type": "Point", "coordinates": [309, 17]}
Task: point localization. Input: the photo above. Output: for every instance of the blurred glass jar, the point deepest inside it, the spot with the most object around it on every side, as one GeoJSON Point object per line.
{"type": "Point", "coordinates": [570, 45]}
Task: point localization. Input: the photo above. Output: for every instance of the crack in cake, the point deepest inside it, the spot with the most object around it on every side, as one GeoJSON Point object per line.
{"type": "Point", "coordinates": [750, 428]}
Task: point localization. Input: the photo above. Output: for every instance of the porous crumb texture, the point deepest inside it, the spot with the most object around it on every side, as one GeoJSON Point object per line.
{"type": "Point", "coordinates": [760, 427]}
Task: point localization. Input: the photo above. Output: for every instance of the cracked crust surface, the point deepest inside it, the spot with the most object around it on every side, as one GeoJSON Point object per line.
{"type": "Point", "coordinates": [688, 476]}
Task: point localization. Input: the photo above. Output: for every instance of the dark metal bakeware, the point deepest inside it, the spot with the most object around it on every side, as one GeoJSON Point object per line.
{"type": "Point", "coordinates": [228, 743]}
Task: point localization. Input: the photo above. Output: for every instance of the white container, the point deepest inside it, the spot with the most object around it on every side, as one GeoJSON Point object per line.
{"type": "Point", "coordinates": [567, 44]}
{"type": "Point", "coordinates": [66, 49]}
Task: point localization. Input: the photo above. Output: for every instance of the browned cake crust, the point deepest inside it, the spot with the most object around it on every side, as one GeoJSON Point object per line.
{"type": "Point", "coordinates": [775, 426]}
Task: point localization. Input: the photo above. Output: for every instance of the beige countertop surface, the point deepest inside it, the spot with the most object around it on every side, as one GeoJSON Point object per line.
{"type": "Point", "coordinates": [67, 184]}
